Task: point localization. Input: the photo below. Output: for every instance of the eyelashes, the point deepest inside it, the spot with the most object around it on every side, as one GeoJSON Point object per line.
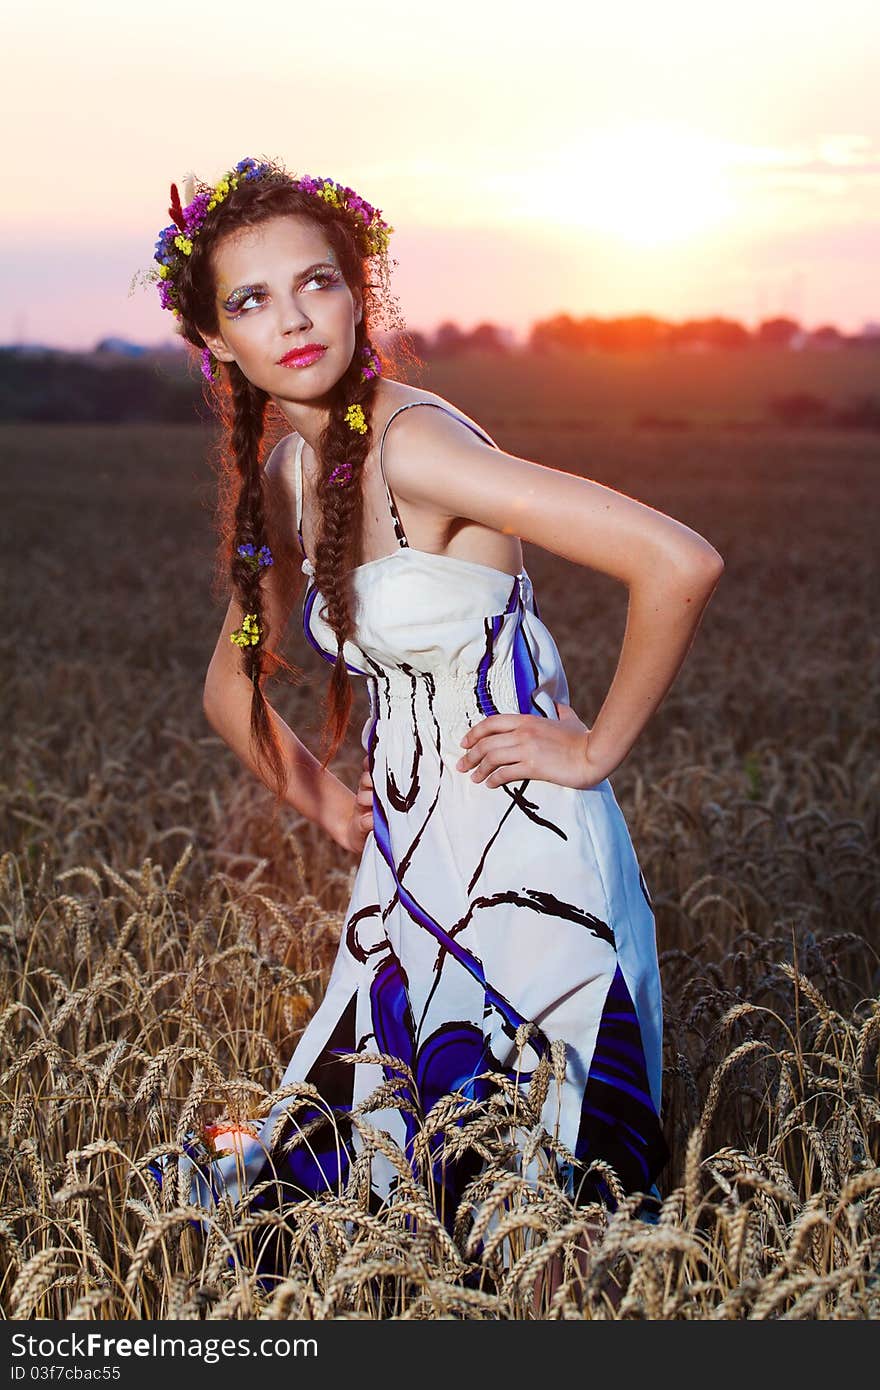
{"type": "Point", "coordinates": [235, 307]}
{"type": "Point", "coordinates": [326, 277]}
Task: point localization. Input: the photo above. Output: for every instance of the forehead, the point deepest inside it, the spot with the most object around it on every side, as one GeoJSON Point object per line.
{"type": "Point", "coordinates": [255, 253]}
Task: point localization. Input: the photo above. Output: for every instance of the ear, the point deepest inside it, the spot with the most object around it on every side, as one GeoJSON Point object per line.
{"type": "Point", "coordinates": [358, 306]}
{"type": "Point", "coordinates": [218, 347]}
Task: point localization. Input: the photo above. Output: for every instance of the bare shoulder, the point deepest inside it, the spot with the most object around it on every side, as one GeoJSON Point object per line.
{"type": "Point", "coordinates": [420, 425]}
{"type": "Point", "coordinates": [424, 453]}
{"type": "Point", "coordinates": [423, 444]}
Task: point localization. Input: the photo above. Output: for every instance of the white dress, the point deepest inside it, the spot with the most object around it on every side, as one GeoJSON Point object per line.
{"type": "Point", "coordinates": [474, 908]}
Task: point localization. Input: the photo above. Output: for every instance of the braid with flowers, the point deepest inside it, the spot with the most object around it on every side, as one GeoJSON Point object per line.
{"type": "Point", "coordinates": [248, 195]}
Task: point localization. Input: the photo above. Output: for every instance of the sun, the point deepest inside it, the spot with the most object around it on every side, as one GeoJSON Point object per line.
{"type": "Point", "coordinates": [646, 184]}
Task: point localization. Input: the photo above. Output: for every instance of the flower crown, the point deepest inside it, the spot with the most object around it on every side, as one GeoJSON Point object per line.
{"type": "Point", "coordinates": [175, 242]}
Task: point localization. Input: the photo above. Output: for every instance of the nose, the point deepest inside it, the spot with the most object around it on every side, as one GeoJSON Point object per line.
{"type": "Point", "coordinates": [293, 318]}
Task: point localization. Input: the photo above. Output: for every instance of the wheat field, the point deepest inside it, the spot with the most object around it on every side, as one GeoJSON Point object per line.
{"type": "Point", "coordinates": [163, 942]}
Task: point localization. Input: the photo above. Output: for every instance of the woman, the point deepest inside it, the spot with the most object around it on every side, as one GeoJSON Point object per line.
{"type": "Point", "coordinates": [499, 929]}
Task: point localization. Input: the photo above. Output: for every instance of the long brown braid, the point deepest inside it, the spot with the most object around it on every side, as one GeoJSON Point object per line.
{"type": "Point", "coordinates": [339, 547]}
{"type": "Point", "coordinates": [246, 437]}
{"type": "Point", "coordinates": [248, 507]}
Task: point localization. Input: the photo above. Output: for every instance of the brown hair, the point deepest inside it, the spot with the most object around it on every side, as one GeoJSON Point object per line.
{"type": "Point", "coordinates": [245, 511]}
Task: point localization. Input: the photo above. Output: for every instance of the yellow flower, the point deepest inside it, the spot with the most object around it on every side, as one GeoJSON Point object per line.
{"type": "Point", "coordinates": [248, 635]}
{"type": "Point", "coordinates": [354, 418]}
{"type": "Point", "coordinates": [183, 244]}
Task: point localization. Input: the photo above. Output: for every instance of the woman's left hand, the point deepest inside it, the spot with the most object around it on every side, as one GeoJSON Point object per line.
{"type": "Point", "coordinates": [359, 826]}
{"type": "Point", "coordinates": [513, 747]}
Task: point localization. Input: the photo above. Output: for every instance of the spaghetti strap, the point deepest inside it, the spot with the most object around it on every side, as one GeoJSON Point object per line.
{"type": "Point", "coordinates": [398, 528]}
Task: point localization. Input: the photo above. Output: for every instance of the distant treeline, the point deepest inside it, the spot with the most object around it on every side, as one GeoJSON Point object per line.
{"type": "Point", "coordinates": [123, 382]}
{"type": "Point", "coordinates": [641, 333]}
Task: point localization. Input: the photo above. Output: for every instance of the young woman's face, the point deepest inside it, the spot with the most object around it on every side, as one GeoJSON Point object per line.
{"type": "Point", "coordinates": [280, 289]}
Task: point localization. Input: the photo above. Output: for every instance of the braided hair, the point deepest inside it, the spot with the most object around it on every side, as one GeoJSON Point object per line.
{"type": "Point", "coordinates": [246, 516]}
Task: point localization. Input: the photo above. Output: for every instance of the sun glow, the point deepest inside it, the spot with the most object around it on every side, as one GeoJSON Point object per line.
{"type": "Point", "coordinates": [648, 184]}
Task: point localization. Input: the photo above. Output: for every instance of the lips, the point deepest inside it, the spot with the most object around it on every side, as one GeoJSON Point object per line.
{"type": "Point", "coordinates": [302, 357]}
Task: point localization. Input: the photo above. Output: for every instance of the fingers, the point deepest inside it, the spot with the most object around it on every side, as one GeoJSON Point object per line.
{"type": "Point", "coordinates": [493, 724]}
{"type": "Point", "coordinates": [491, 753]}
{"type": "Point", "coordinates": [364, 800]}
{"type": "Point", "coordinates": [510, 768]}
{"type": "Point", "coordinates": [511, 772]}
{"type": "Point", "coordinates": [497, 726]}
{"type": "Point", "coordinates": [364, 791]}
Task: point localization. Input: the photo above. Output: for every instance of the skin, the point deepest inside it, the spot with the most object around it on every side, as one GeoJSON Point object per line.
{"type": "Point", "coordinates": [453, 485]}
{"type": "Point", "coordinates": [288, 311]}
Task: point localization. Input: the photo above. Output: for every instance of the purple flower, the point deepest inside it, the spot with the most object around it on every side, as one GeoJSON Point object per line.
{"type": "Point", "coordinates": [194, 212]}
{"type": "Point", "coordinates": [340, 475]}
{"type": "Point", "coordinates": [256, 560]}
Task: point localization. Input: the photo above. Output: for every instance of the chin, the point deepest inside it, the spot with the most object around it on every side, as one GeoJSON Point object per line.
{"type": "Point", "coordinates": [307, 383]}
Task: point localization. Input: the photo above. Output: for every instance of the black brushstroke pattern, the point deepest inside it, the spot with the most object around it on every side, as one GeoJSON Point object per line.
{"type": "Point", "coordinates": [406, 858]}
{"type": "Point", "coordinates": [547, 904]}
{"type": "Point", "coordinates": [351, 941]}
{"type": "Point", "coordinates": [518, 800]}
{"type": "Point", "coordinates": [405, 801]}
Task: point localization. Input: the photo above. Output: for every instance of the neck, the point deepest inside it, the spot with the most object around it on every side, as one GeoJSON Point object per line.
{"type": "Point", "coordinates": [308, 418]}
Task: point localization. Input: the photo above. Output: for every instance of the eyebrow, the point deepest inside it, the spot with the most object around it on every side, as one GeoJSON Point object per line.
{"type": "Point", "coordinates": [261, 284]}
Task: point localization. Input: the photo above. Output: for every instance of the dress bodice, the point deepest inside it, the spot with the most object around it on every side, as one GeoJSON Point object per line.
{"type": "Point", "coordinates": [471, 633]}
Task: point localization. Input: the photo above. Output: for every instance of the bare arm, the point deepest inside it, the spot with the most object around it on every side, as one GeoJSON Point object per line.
{"type": "Point", "coordinates": [661, 623]}
{"type": "Point", "coordinates": [318, 795]}
{"type": "Point", "coordinates": [670, 570]}
{"type": "Point", "coordinates": [227, 695]}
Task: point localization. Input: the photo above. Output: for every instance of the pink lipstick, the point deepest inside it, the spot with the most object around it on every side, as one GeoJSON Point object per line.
{"type": "Point", "coordinates": [304, 356]}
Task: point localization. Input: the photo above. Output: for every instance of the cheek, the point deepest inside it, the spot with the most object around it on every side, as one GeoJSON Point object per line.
{"type": "Point", "coordinates": [340, 311]}
{"type": "Point", "coordinates": [245, 337]}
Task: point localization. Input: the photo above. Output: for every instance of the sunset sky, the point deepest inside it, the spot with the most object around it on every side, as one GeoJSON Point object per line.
{"type": "Point", "coordinates": [682, 159]}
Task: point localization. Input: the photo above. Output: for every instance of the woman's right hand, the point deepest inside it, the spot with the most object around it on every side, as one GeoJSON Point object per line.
{"type": "Point", "coordinates": [360, 824]}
